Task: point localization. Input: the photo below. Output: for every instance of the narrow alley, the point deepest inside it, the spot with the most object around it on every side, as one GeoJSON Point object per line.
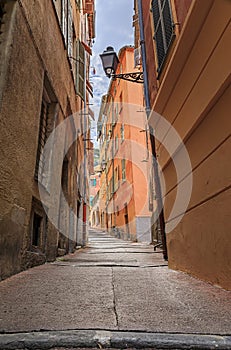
{"type": "Point", "coordinates": [113, 293]}
{"type": "Point", "coordinates": [115, 174]}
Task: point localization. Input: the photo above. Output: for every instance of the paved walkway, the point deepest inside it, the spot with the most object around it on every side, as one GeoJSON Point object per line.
{"type": "Point", "coordinates": [113, 289]}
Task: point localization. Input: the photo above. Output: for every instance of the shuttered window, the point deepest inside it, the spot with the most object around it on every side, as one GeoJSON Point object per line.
{"type": "Point", "coordinates": [44, 154]}
{"type": "Point", "coordinates": [70, 30]}
{"type": "Point", "coordinates": [64, 20]}
{"type": "Point", "coordinates": [67, 25]}
{"type": "Point", "coordinates": [116, 178]}
{"type": "Point", "coordinates": [42, 140]}
{"type": "Point", "coordinates": [164, 29]}
{"type": "Point", "coordinates": [116, 143]}
{"type": "Point", "coordinates": [122, 133]}
{"type": "Point", "coordinates": [80, 71]}
{"type": "Point", "coordinates": [123, 165]}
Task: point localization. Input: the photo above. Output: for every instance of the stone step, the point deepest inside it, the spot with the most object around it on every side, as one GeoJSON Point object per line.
{"type": "Point", "coordinates": [89, 339]}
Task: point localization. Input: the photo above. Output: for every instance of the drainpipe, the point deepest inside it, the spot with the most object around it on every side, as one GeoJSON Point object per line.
{"type": "Point", "coordinates": [151, 131]}
{"type": "Point", "coordinates": [85, 116]}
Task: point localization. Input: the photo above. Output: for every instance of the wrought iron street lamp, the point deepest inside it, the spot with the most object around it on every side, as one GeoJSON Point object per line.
{"type": "Point", "coordinates": [110, 62]}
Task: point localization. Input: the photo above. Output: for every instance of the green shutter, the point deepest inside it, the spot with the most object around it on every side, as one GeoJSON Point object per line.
{"type": "Point", "coordinates": [168, 23]}
{"type": "Point", "coordinates": [80, 71]}
{"type": "Point", "coordinates": [164, 29]}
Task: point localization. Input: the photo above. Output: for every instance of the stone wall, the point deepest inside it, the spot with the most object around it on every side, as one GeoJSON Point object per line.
{"type": "Point", "coordinates": [32, 55]}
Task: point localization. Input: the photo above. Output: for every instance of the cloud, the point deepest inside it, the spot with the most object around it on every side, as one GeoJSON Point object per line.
{"type": "Point", "coordinates": [113, 23]}
{"type": "Point", "coordinates": [113, 28]}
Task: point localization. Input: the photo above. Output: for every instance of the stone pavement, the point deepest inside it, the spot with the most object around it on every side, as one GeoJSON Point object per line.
{"type": "Point", "coordinates": [112, 294]}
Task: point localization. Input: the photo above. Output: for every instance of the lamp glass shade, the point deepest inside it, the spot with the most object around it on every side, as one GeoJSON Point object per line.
{"type": "Point", "coordinates": [109, 60]}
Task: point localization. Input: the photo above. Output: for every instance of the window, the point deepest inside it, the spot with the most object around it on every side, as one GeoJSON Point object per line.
{"type": "Point", "coordinates": [126, 217]}
{"type": "Point", "coordinates": [80, 78]}
{"type": "Point", "coordinates": [116, 144]}
{"type": "Point", "coordinates": [78, 3]}
{"type": "Point", "coordinates": [64, 17]}
{"type": "Point", "coordinates": [121, 103]}
{"type": "Point", "coordinates": [38, 225]}
{"type": "Point", "coordinates": [93, 182]}
{"type": "Point", "coordinates": [122, 133]}
{"type": "Point", "coordinates": [164, 29]}
{"type": "Point", "coordinates": [47, 123]}
{"type": "Point", "coordinates": [137, 57]}
{"type": "Point", "coordinates": [70, 30]}
{"type": "Point", "coordinates": [123, 165]}
{"type": "Point", "coordinates": [116, 178]}
{"type": "Point", "coordinates": [1, 13]}
{"type": "Point", "coordinates": [110, 191]}
{"type": "Point", "coordinates": [65, 14]}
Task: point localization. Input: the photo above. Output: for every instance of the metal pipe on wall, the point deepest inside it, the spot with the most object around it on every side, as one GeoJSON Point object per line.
{"type": "Point", "coordinates": [152, 136]}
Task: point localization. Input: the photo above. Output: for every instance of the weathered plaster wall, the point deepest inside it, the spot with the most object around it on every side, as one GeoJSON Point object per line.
{"type": "Point", "coordinates": [36, 49]}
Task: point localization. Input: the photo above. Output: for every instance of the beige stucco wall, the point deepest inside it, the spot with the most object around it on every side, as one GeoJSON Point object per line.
{"type": "Point", "coordinates": [36, 47]}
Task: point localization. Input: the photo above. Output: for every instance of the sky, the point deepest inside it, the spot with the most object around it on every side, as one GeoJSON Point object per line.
{"type": "Point", "coordinates": [113, 28]}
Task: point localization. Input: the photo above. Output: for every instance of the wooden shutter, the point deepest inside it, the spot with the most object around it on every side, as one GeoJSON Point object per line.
{"type": "Point", "coordinates": [168, 23]}
{"type": "Point", "coordinates": [80, 71]}
{"type": "Point", "coordinates": [44, 154]}
{"type": "Point", "coordinates": [42, 140]}
{"type": "Point", "coordinates": [164, 28]}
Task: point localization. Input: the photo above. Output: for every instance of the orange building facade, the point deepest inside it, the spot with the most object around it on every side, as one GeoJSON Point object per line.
{"type": "Point", "coordinates": [124, 142]}
{"type": "Point", "coordinates": [94, 187]}
{"type": "Point", "coordinates": [188, 65]}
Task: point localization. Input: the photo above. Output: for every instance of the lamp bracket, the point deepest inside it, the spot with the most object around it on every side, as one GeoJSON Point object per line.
{"type": "Point", "coordinates": [137, 77]}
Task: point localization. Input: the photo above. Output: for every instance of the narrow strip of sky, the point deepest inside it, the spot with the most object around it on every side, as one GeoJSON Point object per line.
{"type": "Point", "coordinates": [113, 28]}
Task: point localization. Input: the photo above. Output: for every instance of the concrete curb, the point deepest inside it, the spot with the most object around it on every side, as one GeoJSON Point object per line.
{"type": "Point", "coordinates": [112, 339]}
